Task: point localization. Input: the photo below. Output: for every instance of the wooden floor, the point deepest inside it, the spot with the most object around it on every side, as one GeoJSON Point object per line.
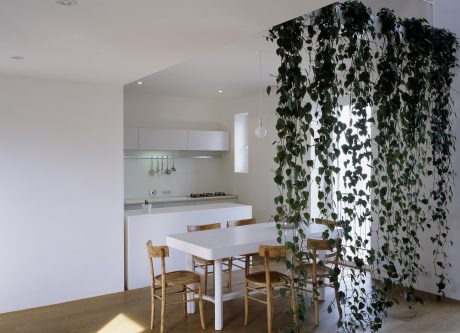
{"type": "Point", "coordinates": [128, 312]}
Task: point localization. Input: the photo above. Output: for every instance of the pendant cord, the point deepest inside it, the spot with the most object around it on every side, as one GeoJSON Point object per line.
{"type": "Point", "coordinates": [260, 87]}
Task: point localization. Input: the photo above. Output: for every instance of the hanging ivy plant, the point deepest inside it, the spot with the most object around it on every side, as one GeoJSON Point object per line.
{"type": "Point", "coordinates": [403, 72]}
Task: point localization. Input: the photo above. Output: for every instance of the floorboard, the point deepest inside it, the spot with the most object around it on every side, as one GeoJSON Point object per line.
{"type": "Point", "coordinates": [129, 312]}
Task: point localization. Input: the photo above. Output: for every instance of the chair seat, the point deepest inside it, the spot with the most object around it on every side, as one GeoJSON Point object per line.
{"type": "Point", "coordinates": [276, 278]}
{"type": "Point", "coordinates": [179, 278]}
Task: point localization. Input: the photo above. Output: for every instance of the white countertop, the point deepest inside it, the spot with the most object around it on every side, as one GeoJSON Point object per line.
{"type": "Point", "coordinates": [181, 209]}
{"type": "Point", "coordinates": [161, 199]}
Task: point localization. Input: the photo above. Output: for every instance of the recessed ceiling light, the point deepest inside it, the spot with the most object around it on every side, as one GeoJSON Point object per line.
{"type": "Point", "coordinates": [17, 57]}
{"type": "Point", "coordinates": [140, 83]}
{"type": "Point", "coordinates": [66, 3]}
{"type": "Point", "coordinates": [220, 91]}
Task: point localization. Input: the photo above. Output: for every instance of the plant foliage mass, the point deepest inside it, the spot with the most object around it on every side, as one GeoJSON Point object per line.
{"type": "Point", "coordinates": [394, 75]}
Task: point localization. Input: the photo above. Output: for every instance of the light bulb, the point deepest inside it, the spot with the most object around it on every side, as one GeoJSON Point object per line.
{"type": "Point", "coordinates": [260, 130]}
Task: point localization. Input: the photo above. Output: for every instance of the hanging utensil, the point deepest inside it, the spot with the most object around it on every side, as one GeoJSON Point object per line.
{"type": "Point", "coordinates": [158, 165]}
{"type": "Point", "coordinates": [161, 164]}
{"type": "Point", "coordinates": [167, 171]}
{"type": "Point", "coordinates": [151, 171]}
{"type": "Point", "coordinates": [173, 169]}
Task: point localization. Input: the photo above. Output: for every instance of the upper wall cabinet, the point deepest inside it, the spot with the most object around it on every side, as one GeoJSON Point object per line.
{"type": "Point", "coordinates": [131, 138]}
{"type": "Point", "coordinates": [208, 140]}
{"type": "Point", "coordinates": [162, 139]}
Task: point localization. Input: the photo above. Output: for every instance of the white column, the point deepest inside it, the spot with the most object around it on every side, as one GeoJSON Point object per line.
{"type": "Point", "coordinates": [218, 290]}
{"type": "Point", "coordinates": [190, 296]}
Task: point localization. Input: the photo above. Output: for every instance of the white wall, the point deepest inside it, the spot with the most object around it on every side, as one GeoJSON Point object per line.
{"type": "Point", "coordinates": [257, 187]}
{"type": "Point", "coordinates": [446, 16]}
{"type": "Point", "coordinates": [192, 175]}
{"type": "Point", "coordinates": [61, 191]}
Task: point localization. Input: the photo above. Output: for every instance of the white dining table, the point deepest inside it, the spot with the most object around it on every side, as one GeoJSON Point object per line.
{"type": "Point", "coordinates": [218, 244]}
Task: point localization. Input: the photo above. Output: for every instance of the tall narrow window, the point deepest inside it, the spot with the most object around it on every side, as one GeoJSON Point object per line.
{"type": "Point", "coordinates": [241, 142]}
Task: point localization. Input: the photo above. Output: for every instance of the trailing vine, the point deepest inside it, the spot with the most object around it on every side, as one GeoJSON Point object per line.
{"type": "Point", "coordinates": [353, 98]}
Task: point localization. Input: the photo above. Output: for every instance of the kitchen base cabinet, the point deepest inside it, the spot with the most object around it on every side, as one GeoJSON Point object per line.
{"type": "Point", "coordinates": [141, 227]}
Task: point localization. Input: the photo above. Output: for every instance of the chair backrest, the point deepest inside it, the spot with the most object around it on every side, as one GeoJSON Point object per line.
{"type": "Point", "coordinates": [191, 228]}
{"type": "Point", "coordinates": [270, 251]}
{"type": "Point", "coordinates": [157, 252]}
{"type": "Point", "coordinates": [333, 246]}
{"type": "Point", "coordinates": [327, 222]}
{"type": "Point", "coordinates": [238, 223]}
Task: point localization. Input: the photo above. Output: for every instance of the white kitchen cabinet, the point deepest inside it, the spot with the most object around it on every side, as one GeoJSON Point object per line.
{"type": "Point", "coordinates": [131, 138]}
{"type": "Point", "coordinates": [162, 139]}
{"type": "Point", "coordinates": [208, 140]}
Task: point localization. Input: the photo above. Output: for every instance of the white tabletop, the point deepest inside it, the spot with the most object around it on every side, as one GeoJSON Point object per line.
{"type": "Point", "coordinates": [227, 242]}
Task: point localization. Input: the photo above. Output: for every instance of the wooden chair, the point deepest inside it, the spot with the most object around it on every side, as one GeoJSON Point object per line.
{"type": "Point", "coordinates": [206, 264]}
{"type": "Point", "coordinates": [238, 223]}
{"type": "Point", "coordinates": [171, 279]}
{"type": "Point", "coordinates": [265, 282]}
{"type": "Point", "coordinates": [241, 260]}
{"type": "Point", "coordinates": [317, 270]}
{"type": "Point", "coordinates": [326, 222]}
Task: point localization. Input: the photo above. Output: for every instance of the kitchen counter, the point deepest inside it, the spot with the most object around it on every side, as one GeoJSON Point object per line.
{"type": "Point", "coordinates": [183, 209]}
{"type": "Point", "coordinates": [160, 202]}
{"type": "Point", "coordinates": [141, 227]}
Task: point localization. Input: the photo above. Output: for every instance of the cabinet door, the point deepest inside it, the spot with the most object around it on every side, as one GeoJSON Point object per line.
{"type": "Point", "coordinates": [131, 138]}
{"type": "Point", "coordinates": [162, 139]}
{"type": "Point", "coordinates": [208, 140]}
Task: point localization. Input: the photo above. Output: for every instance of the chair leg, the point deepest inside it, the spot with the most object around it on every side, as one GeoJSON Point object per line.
{"type": "Point", "coordinates": [246, 265]}
{"type": "Point", "coordinates": [184, 300]}
{"type": "Point", "coordinates": [272, 307]}
{"type": "Point", "coordinates": [163, 308]}
{"type": "Point", "coordinates": [246, 305]}
{"type": "Point", "coordinates": [315, 301]}
{"type": "Point", "coordinates": [293, 307]}
{"type": "Point", "coordinates": [337, 299]}
{"type": "Point", "coordinates": [269, 311]}
{"type": "Point", "coordinates": [229, 282]}
{"type": "Point", "coordinates": [205, 278]}
{"type": "Point", "coordinates": [213, 277]}
{"type": "Point", "coordinates": [152, 314]}
{"type": "Point", "coordinates": [201, 306]}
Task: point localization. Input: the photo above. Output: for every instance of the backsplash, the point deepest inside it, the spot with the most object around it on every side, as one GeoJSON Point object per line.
{"type": "Point", "coordinates": [191, 176]}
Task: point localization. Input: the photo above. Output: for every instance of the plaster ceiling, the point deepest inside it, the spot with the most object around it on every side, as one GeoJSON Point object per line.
{"type": "Point", "coordinates": [119, 41]}
{"type": "Point", "coordinates": [234, 68]}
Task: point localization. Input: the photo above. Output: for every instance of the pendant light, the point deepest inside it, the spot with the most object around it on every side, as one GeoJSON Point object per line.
{"type": "Point", "coordinates": [260, 131]}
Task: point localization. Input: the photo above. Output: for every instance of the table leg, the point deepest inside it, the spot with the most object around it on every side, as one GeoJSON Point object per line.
{"type": "Point", "coordinates": [190, 267]}
{"type": "Point", "coordinates": [218, 293]}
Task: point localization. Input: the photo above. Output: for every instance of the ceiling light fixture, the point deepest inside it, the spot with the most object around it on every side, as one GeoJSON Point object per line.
{"type": "Point", "coordinates": [67, 3]}
{"type": "Point", "coordinates": [140, 83]}
{"type": "Point", "coordinates": [220, 91]}
{"type": "Point", "coordinates": [260, 130]}
{"type": "Point", "coordinates": [17, 57]}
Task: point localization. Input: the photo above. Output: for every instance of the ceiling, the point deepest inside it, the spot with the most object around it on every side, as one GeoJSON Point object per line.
{"type": "Point", "coordinates": [119, 41]}
{"type": "Point", "coordinates": [234, 68]}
